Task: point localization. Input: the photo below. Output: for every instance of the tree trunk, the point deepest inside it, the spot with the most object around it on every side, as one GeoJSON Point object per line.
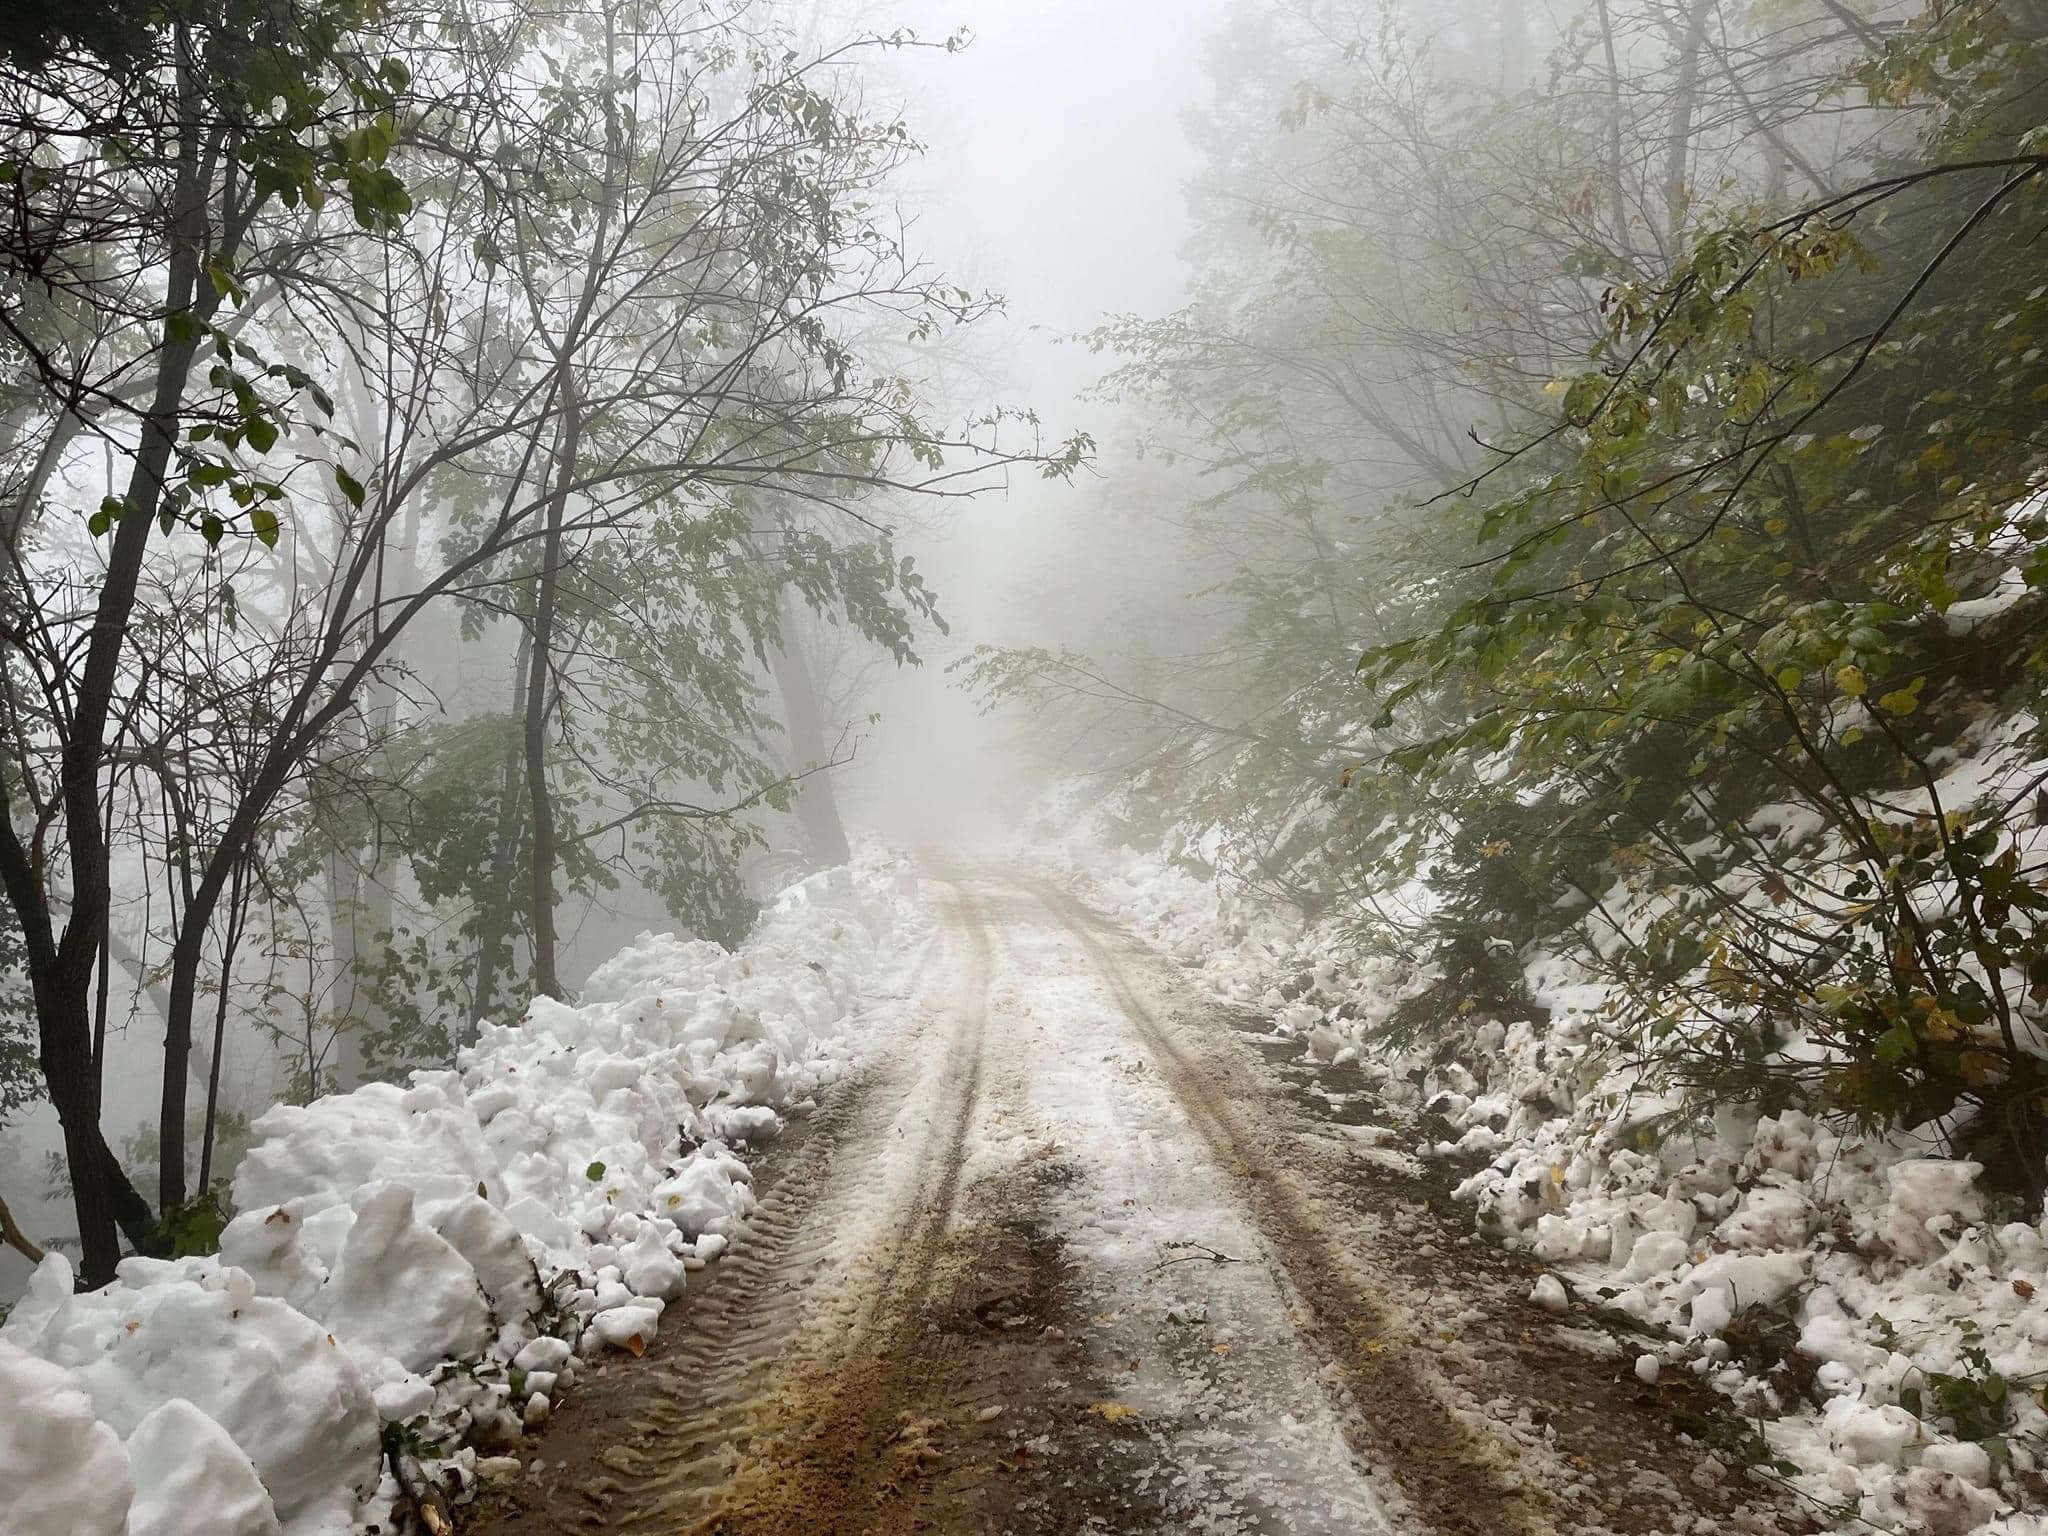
{"type": "Point", "coordinates": [496, 923]}
{"type": "Point", "coordinates": [63, 985]}
{"type": "Point", "coordinates": [106, 1202]}
{"type": "Point", "coordinates": [1678, 135]}
{"type": "Point", "coordinates": [538, 797]}
{"type": "Point", "coordinates": [817, 808]}
{"type": "Point", "coordinates": [1617, 189]}
{"type": "Point", "coordinates": [238, 910]}
{"type": "Point", "coordinates": [358, 909]}
{"type": "Point", "coordinates": [359, 879]}
{"type": "Point", "coordinates": [568, 446]}
{"type": "Point", "coordinates": [1511, 33]}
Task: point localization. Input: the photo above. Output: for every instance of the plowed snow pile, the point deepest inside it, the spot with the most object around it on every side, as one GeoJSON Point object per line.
{"type": "Point", "coordinates": [1880, 1323]}
{"type": "Point", "coordinates": [419, 1266]}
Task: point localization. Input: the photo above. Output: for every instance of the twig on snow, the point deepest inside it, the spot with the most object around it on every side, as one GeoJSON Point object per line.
{"type": "Point", "coordinates": [428, 1506]}
{"type": "Point", "coordinates": [1204, 1255]}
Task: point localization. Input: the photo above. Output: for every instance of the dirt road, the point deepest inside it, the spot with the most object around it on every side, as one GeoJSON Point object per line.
{"type": "Point", "coordinates": [1079, 1252]}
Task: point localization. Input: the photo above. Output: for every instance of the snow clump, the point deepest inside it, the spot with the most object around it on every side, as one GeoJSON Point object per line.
{"type": "Point", "coordinates": [437, 1254]}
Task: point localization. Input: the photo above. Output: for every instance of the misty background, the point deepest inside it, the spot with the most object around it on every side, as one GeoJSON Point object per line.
{"type": "Point", "coordinates": [1013, 193]}
{"type": "Point", "coordinates": [1054, 174]}
{"type": "Point", "coordinates": [485, 480]}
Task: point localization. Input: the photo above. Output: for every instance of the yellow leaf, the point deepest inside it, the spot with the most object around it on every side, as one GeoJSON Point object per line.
{"type": "Point", "coordinates": [1113, 1413]}
{"type": "Point", "coordinates": [1852, 682]}
{"type": "Point", "coordinates": [1556, 387]}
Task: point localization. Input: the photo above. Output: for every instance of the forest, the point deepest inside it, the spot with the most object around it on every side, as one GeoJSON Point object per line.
{"type": "Point", "coordinates": [1548, 607]}
{"type": "Point", "coordinates": [1605, 465]}
{"type": "Point", "coordinates": [492, 415]}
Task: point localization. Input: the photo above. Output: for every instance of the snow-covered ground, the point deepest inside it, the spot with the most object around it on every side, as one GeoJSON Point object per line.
{"type": "Point", "coordinates": [1245, 1437]}
{"type": "Point", "coordinates": [1917, 1400]}
{"type": "Point", "coordinates": [415, 1270]}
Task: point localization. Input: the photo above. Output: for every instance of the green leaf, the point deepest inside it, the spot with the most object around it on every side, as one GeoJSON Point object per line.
{"type": "Point", "coordinates": [261, 433]}
{"type": "Point", "coordinates": [594, 1172]}
{"type": "Point", "coordinates": [351, 487]}
{"type": "Point", "coordinates": [263, 523]}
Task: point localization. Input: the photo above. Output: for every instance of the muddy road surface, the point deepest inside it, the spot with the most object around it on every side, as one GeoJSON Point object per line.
{"type": "Point", "coordinates": [1079, 1252]}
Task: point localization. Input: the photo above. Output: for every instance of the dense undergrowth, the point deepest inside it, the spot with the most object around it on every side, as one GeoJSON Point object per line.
{"type": "Point", "coordinates": [1685, 532]}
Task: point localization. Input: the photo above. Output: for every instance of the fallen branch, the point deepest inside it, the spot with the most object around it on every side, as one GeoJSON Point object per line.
{"type": "Point", "coordinates": [1206, 1255]}
{"type": "Point", "coordinates": [429, 1508]}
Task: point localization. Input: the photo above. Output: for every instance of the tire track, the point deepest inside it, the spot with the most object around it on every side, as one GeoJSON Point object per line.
{"type": "Point", "coordinates": [819, 1346]}
{"type": "Point", "coordinates": [943, 1293]}
{"type": "Point", "coordinates": [1401, 1419]}
{"type": "Point", "coordinates": [961, 1403]}
{"type": "Point", "coordinates": [932, 1206]}
{"type": "Point", "coordinates": [839, 1398]}
{"type": "Point", "coordinates": [847, 1231]}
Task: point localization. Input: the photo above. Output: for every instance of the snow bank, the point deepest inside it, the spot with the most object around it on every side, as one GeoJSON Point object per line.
{"type": "Point", "coordinates": [437, 1255]}
{"type": "Point", "coordinates": [1852, 1290]}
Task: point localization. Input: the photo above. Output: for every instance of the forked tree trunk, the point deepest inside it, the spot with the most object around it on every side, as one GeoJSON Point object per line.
{"type": "Point", "coordinates": [62, 969]}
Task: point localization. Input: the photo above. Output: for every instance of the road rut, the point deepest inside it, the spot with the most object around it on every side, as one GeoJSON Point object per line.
{"type": "Point", "coordinates": [1068, 1255]}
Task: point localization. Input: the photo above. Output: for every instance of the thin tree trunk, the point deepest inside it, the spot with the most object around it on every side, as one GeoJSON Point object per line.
{"type": "Point", "coordinates": [817, 808]}
{"type": "Point", "coordinates": [15, 1238]}
{"type": "Point", "coordinates": [1511, 32]}
{"type": "Point", "coordinates": [568, 446]}
{"type": "Point", "coordinates": [63, 979]}
{"type": "Point", "coordinates": [1617, 202]}
{"type": "Point", "coordinates": [238, 906]}
{"type": "Point", "coordinates": [351, 891]}
{"type": "Point", "coordinates": [1678, 136]}
{"type": "Point", "coordinates": [496, 923]}
{"type": "Point", "coordinates": [358, 909]}
{"type": "Point", "coordinates": [539, 799]}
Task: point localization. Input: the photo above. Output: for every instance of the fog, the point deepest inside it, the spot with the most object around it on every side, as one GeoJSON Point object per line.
{"type": "Point", "coordinates": [1017, 194]}
{"type": "Point", "coordinates": [490, 477]}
